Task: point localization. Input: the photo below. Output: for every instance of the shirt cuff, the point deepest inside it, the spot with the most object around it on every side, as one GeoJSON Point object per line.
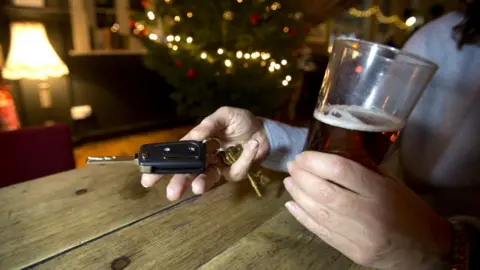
{"type": "Point", "coordinates": [285, 143]}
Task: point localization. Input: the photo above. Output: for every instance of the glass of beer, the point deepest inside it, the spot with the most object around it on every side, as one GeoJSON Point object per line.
{"type": "Point", "coordinates": [367, 94]}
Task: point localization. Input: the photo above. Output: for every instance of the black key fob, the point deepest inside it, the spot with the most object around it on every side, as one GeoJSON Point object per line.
{"type": "Point", "coordinates": [182, 157]}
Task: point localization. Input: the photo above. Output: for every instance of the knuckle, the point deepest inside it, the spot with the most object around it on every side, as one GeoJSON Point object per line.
{"type": "Point", "coordinates": [321, 215]}
{"type": "Point", "coordinates": [362, 257]}
{"type": "Point", "coordinates": [340, 167]}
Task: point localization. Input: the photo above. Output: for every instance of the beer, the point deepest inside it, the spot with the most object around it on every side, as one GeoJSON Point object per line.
{"type": "Point", "coordinates": [357, 133]}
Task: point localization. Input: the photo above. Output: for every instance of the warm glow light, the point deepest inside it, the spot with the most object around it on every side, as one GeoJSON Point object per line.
{"type": "Point", "coordinates": [271, 69]}
{"type": "Point", "coordinates": [175, 47]}
{"type": "Point", "coordinates": [220, 51]}
{"type": "Point", "coordinates": [288, 78]}
{"type": "Point", "coordinates": [272, 64]}
{"type": "Point", "coordinates": [115, 27]}
{"type": "Point", "coordinates": [178, 38]}
{"type": "Point", "coordinates": [170, 45]}
{"type": "Point", "coordinates": [265, 56]}
{"type": "Point", "coordinates": [151, 15]}
{"type": "Point", "coordinates": [276, 6]}
{"type": "Point", "coordinates": [286, 29]}
{"type": "Point", "coordinates": [411, 21]}
{"type": "Point", "coordinates": [245, 65]}
{"type": "Point", "coordinates": [285, 82]}
{"type": "Point", "coordinates": [176, 18]}
{"type": "Point", "coordinates": [239, 54]}
{"type": "Point", "coordinates": [167, 1]}
{"type": "Point", "coordinates": [284, 62]}
{"type": "Point", "coordinates": [170, 38]}
{"type": "Point", "coordinates": [203, 55]}
{"type": "Point", "coordinates": [239, 1]}
{"type": "Point", "coordinates": [189, 14]}
{"type": "Point", "coordinates": [189, 39]}
{"type": "Point", "coordinates": [31, 55]}
{"type": "Point", "coordinates": [277, 66]}
{"type": "Point", "coordinates": [228, 63]}
{"type": "Point", "coordinates": [255, 55]}
{"type": "Point", "coordinates": [153, 36]}
{"type": "Point", "coordinates": [247, 56]}
{"type": "Point", "coordinates": [263, 63]}
{"type": "Point", "coordinates": [139, 26]}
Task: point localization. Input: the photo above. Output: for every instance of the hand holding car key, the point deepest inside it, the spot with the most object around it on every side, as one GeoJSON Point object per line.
{"type": "Point", "coordinates": [182, 157]}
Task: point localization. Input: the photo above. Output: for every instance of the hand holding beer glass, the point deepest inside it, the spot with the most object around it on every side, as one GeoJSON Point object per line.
{"type": "Point", "coordinates": [368, 92]}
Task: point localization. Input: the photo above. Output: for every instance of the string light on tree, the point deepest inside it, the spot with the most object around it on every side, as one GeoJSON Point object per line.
{"type": "Point", "coordinates": [168, 1]}
{"type": "Point", "coordinates": [263, 63]}
{"type": "Point", "coordinates": [203, 55]}
{"type": "Point", "coordinates": [139, 26]}
{"type": "Point", "coordinates": [247, 56]}
{"type": "Point", "coordinates": [286, 29]}
{"type": "Point", "coordinates": [189, 39]}
{"type": "Point", "coordinates": [271, 68]}
{"type": "Point", "coordinates": [239, 54]}
{"type": "Point", "coordinates": [175, 47]}
{"type": "Point", "coordinates": [255, 55]}
{"type": "Point", "coordinates": [220, 51]}
{"type": "Point", "coordinates": [153, 36]}
{"type": "Point", "coordinates": [276, 6]}
{"type": "Point", "coordinates": [228, 63]}
{"type": "Point", "coordinates": [169, 45]}
{"type": "Point", "coordinates": [189, 15]}
{"type": "Point", "coordinates": [288, 78]}
{"type": "Point", "coordinates": [245, 65]}
{"type": "Point", "coordinates": [285, 83]}
{"type": "Point", "coordinates": [177, 18]}
{"type": "Point", "coordinates": [375, 10]}
{"type": "Point", "coordinates": [228, 15]}
{"type": "Point", "coordinates": [178, 38]}
{"type": "Point", "coordinates": [239, 1]}
{"type": "Point", "coordinates": [277, 66]}
{"type": "Point", "coordinates": [265, 56]}
{"type": "Point", "coordinates": [284, 62]}
{"type": "Point", "coordinates": [151, 15]}
{"type": "Point", "coordinates": [170, 38]}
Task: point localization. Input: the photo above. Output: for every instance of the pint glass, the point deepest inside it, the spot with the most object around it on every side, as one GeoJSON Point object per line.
{"type": "Point", "coordinates": [368, 92]}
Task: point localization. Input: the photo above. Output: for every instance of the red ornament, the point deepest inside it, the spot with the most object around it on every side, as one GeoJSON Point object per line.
{"type": "Point", "coordinates": [254, 18]}
{"type": "Point", "coordinates": [131, 23]}
{"type": "Point", "coordinates": [178, 64]}
{"type": "Point", "coordinates": [145, 3]}
{"type": "Point", "coordinates": [191, 74]}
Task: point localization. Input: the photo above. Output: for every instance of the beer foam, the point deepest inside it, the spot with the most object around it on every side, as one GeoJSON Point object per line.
{"type": "Point", "coordinates": [343, 116]}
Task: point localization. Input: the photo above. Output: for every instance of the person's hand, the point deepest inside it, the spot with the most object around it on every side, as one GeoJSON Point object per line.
{"type": "Point", "coordinates": [232, 126]}
{"type": "Point", "coordinates": [374, 220]}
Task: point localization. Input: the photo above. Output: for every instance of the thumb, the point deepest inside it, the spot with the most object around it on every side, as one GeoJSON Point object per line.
{"type": "Point", "coordinates": [238, 170]}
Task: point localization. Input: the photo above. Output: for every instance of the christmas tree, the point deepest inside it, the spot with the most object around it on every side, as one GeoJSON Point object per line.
{"type": "Point", "coordinates": [240, 53]}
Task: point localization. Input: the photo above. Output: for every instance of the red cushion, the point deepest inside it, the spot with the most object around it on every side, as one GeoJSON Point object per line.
{"type": "Point", "coordinates": [34, 152]}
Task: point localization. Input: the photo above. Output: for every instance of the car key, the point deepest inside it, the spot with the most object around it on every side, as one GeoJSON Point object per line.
{"type": "Point", "coordinates": [182, 157]}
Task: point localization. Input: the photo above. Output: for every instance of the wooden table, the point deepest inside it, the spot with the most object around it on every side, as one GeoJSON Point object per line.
{"type": "Point", "coordinates": [100, 217]}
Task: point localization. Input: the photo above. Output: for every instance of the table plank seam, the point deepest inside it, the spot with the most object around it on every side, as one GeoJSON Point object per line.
{"type": "Point", "coordinates": [240, 239]}
{"type": "Point", "coordinates": [129, 224]}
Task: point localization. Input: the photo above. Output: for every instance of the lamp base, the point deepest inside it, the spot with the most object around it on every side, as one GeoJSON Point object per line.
{"type": "Point", "coordinates": [45, 95]}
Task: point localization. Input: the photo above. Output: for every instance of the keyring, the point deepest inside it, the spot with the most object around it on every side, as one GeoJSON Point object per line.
{"type": "Point", "coordinates": [220, 148]}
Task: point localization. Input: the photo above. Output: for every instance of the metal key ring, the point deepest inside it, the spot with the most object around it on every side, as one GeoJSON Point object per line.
{"type": "Point", "coordinates": [220, 148]}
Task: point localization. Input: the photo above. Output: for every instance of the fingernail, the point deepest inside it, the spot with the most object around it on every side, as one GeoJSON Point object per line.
{"type": "Point", "coordinates": [289, 165]}
{"type": "Point", "coordinates": [288, 182]}
{"type": "Point", "coordinates": [252, 145]}
{"type": "Point", "coordinates": [144, 184]}
{"type": "Point", "coordinates": [291, 208]}
{"type": "Point", "coordinates": [299, 157]}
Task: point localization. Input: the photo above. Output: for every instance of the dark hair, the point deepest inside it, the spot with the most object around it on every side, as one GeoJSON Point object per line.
{"type": "Point", "coordinates": [468, 31]}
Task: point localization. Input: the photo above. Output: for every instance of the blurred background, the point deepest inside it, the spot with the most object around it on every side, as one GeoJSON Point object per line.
{"type": "Point", "coordinates": [102, 77]}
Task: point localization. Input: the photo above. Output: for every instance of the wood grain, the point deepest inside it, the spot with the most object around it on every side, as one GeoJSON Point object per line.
{"type": "Point", "coordinates": [280, 243]}
{"type": "Point", "coordinates": [41, 218]}
{"type": "Point", "coordinates": [183, 237]}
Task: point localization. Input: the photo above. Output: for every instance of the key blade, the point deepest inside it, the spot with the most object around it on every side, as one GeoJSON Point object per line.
{"type": "Point", "coordinates": [105, 160]}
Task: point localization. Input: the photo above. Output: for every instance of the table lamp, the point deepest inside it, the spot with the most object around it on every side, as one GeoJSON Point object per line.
{"type": "Point", "coordinates": [31, 56]}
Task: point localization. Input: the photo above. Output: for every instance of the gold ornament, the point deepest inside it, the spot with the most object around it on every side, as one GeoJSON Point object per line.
{"type": "Point", "coordinates": [228, 15]}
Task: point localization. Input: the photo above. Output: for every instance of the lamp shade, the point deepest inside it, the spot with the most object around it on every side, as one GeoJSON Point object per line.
{"type": "Point", "coordinates": [31, 55]}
